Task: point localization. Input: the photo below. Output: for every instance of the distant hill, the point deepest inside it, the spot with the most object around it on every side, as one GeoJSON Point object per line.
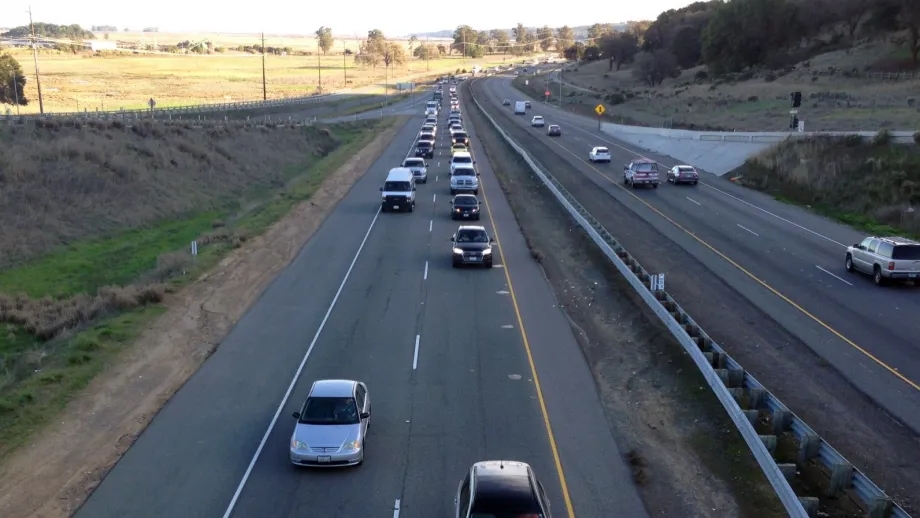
{"type": "Point", "coordinates": [580, 32]}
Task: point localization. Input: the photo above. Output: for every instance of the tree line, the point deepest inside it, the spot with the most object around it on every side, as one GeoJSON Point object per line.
{"type": "Point", "coordinates": [50, 30]}
{"type": "Point", "coordinates": [729, 37]}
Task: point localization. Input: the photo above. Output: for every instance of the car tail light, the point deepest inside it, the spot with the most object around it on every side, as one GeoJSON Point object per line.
{"type": "Point", "coordinates": [890, 265]}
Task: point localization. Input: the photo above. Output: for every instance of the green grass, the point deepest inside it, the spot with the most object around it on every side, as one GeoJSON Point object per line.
{"type": "Point", "coordinates": [59, 368]}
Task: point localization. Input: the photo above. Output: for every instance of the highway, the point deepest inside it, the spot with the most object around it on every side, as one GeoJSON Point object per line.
{"type": "Point", "coordinates": [461, 364]}
{"type": "Point", "coordinates": [785, 261]}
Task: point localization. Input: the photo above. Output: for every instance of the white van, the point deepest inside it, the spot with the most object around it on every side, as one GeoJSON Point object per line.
{"type": "Point", "coordinates": [461, 159]}
{"type": "Point", "coordinates": [398, 192]}
{"type": "Point", "coordinates": [520, 108]}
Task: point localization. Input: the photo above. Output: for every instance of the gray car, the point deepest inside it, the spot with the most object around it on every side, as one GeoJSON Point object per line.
{"type": "Point", "coordinates": [332, 425]}
{"type": "Point", "coordinates": [885, 258]}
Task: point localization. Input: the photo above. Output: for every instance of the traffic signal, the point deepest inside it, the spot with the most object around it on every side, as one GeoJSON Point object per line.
{"type": "Point", "coordinates": [796, 99]}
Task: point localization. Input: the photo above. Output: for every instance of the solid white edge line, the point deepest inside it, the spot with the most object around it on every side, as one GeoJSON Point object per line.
{"type": "Point", "coordinates": [303, 362]}
{"type": "Point", "coordinates": [415, 354]}
{"type": "Point", "coordinates": [425, 277]}
{"type": "Point", "coordinates": [834, 276]}
{"type": "Point", "coordinates": [396, 509]}
{"type": "Point", "coordinates": [749, 230]}
{"type": "Point", "coordinates": [694, 201]}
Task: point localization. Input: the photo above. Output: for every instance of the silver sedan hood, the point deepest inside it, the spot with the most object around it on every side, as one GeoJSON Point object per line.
{"type": "Point", "coordinates": [326, 435]}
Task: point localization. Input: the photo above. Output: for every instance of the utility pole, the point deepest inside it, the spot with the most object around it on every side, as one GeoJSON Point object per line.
{"type": "Point", "coordinates": [345, 64]}
{"type": "Point", "coordinates": [319, 67]}
{"type": "Point", "coordinates": [38, 81]}
{"type": "Point", "coordinates": [427, 55]}
{"type": "Point", "coordinates": [264, 88]}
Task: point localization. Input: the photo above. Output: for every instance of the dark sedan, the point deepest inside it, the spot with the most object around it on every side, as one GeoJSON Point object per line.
{"type": "Point", "coordinates": [471, 245]}
{"type": "Point", "coordinates": [424, 149]}
{"type": "Point", "coordinates": [464, 206]}
{"type": "Point", "coordinates": [554, 131]}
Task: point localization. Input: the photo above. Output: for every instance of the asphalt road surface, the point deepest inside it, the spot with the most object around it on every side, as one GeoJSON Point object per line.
{"type": "Point", "coordinates": [787, 261]}
{"type": "Point", "coordinates": [373, 296]}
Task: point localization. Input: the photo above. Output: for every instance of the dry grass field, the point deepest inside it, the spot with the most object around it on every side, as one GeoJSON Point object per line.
{"type": "Point", "coordinates": [832, 100]}
{"type": "Point", "coordinates": [115, 80]}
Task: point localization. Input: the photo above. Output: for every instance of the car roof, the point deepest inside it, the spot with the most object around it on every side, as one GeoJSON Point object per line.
{"type": "Point", "coordinates": [897, 240]}
{"type": "Point", "coordinates": [685, 166]}
{"type": "Point", "coordinates": [501, 481]}
{"type": "Point", "coordinates": [463, 154]}
{"type": "Point", "coordinates": [471, 227]}
{"type": "Point", "coordinates": [413, 159]}
{"type": "Point", "coordinates": [537, 116]}
{"type": "Point", "coordinates": [644, 161]}
{"type": "Point", "coordinates": [333, 388]}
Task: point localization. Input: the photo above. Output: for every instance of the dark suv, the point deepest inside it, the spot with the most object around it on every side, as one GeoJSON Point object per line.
{"type": "Point", "coordinates": [501, 488]}
{"type": "Point", "coordinates": [471, 245]}
{"type": "Point", "coordinates": [464, 206]}
{"type": "Point", "coordinates": [424, 149]}
{"type": "Point", "coordinates": [885, 258]}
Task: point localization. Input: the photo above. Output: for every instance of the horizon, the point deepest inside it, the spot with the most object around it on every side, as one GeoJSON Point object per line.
{"type": "Point", "coordinates": [354, 21]}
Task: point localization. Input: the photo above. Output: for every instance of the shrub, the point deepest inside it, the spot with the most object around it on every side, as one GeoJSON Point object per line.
{"type": "Point", "coordinates": [701, 75]}
{"type": "Point", "coordinates": [917, 138]}
{"type": "Point", "coordinates": [881, 138]}
{"type": "Point", "coordinates": [618, 98]}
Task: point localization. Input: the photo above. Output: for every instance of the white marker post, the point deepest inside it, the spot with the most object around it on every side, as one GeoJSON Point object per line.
{"type": "Point", "coordinates": [656, 282]}
{"type": "Point", "coordinates": [194, 250]}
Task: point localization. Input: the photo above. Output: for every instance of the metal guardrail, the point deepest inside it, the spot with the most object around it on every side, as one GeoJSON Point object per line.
{"type": "Point", "coordinates": [212, 107]}
{"type": "Point", "coordinates": [748, 403]}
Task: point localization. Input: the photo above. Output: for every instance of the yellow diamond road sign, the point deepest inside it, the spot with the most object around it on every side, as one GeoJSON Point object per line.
{"type": "Point", "coordinates": [599, 109]}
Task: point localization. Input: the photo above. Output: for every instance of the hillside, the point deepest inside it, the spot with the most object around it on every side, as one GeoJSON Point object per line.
{"type": "Point", "coordinates": [873, 186]}
{"type": "Point", "coordinates": [580, 32]}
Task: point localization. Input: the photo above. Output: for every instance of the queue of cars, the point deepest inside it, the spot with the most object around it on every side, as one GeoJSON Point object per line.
{"type": "Point", "coordinates": [331, 426]}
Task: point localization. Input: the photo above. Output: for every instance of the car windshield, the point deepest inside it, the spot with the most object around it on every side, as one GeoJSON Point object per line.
{"type": "Point", "coordinates": [686, 169]}
{"type": "Point", "coordinates": [424, 143]}
{"type": "Point", "coordinates": [460, 134]}
{"type": "Point", "coordinates": [396, 186]}
{"type": "Point", "coordinates": [459, 146]}
{"type": "Point", "coordinates": [472, 236]}
{"type": "Point", "coordinates": [538, 118]}
{"type": "Point", "coordinates": [646, 167]}
{"type": "Point", "coordinates": [463, 160]}
{"type": "Point", "coordinates": [554, 127]}
{"type": "Point", "coordinates": [413, 162]}
{"type": "Point", "coordinates": [465, 201]}
{"type": "Point", "coordinates": [906, 252]}
{"type": "Point", "coordinates": [464, 171]}
{"type": "Point", "coordinates": [601, 150]}
{"type": "Point", "coordinates": [329, 410]}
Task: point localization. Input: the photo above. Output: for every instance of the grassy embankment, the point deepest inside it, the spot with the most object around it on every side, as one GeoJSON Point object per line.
{"type": "Point", "coordinates": [98, 226]}
{"type": "Point", "coordinates": [872, 186]}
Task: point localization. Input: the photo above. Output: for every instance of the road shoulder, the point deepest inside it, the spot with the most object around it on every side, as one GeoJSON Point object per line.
{"type": "Point", "coordinates": [100, 424]}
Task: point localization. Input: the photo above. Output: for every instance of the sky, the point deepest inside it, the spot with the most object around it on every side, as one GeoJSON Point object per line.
{"type": "Point", "coordinates": [345, 18]}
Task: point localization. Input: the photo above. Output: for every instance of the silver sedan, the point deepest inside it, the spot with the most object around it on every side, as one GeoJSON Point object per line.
{"type": "Point", "coordinates": [332, 425]}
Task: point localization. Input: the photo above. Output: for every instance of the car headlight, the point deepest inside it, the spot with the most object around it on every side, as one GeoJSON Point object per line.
{"type": "Point", "coordinates": [487, 251]}
{"type": "Point", "coordinates": [458, 251]}
{"type": "Point", "coordinates": [352, 446]}
{"type": "Point", "coordinates": [298, 445]}
{"type": "Point", "coordinates": [456, 210]}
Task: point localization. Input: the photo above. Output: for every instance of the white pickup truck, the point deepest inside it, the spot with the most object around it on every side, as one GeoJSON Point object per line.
{"type": "Point", "coordinates": [599, 154]}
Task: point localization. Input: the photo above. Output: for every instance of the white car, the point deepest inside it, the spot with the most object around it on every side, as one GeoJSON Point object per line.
{"type": "Point", "coordinates": [599, 154]}
{"type": "Point", "coordinates": [331, 425]}
{"type": "Point", "coordinates": [419, 168]}
{"type": "Point", "coordinates": [537, 122]}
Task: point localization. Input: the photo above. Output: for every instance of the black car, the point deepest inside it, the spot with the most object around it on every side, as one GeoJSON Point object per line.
{"type": "Point", "coordinates": [460, 137]}
{"type": "Point", "coordinates": [424, 149]}
{"type": "Point", "coordinates": [554, 131]}
{"type": "Point", "coordinates": [501, 488]}
{"type": "Point", "coordinates": [471, 245]}
{"type": "Point", "coordinates": [464, 206]}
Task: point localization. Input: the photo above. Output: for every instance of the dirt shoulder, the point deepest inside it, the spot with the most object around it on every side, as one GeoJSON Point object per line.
{"type": "Point", "coordinates": [687, 458]}
{"type": "Point", "coordinates": [100, 424]}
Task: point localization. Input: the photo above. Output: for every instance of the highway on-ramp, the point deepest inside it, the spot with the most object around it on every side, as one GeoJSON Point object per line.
{"type": "Point", "coordinates": [786, 261]}
{"type": "Point", "coordinates": [449, 357]}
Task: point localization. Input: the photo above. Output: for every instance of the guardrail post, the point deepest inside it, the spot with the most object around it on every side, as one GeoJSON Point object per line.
{"type": "Point", "coordinates": [788, 470]}
{"type": "Point", "coordinates": [841, 476]}
{"type": "Point", "coordinates": [810, 504]}
{"type": "Point", "coordinates": [808, 448]}
{"type": "Point", "coordinates": [752, 416]}
{"type": "Point", "coordinates": [879, 507]}
{"type": "Point", "coordinates": [769, 441]}
{"type": "Point", "coordinates": [781, 420]}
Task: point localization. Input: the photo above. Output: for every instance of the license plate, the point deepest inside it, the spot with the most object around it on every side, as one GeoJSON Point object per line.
{"type": "Point", "coordinates": [467, 215]}
{"type": "Point", "coordinates": [395, 207]}
{"type": "Point", "coordinates": [912, 275]}
{"type": "Point", "coordinates": [324, 458]}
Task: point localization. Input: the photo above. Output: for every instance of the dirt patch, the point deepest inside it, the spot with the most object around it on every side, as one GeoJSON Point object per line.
{"type": "Point", "coordinates": [101, 423]}
{"type": "Point", "coordinates": [687, 459]}
{"type": "Point", "coordinates": [855, 425]}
